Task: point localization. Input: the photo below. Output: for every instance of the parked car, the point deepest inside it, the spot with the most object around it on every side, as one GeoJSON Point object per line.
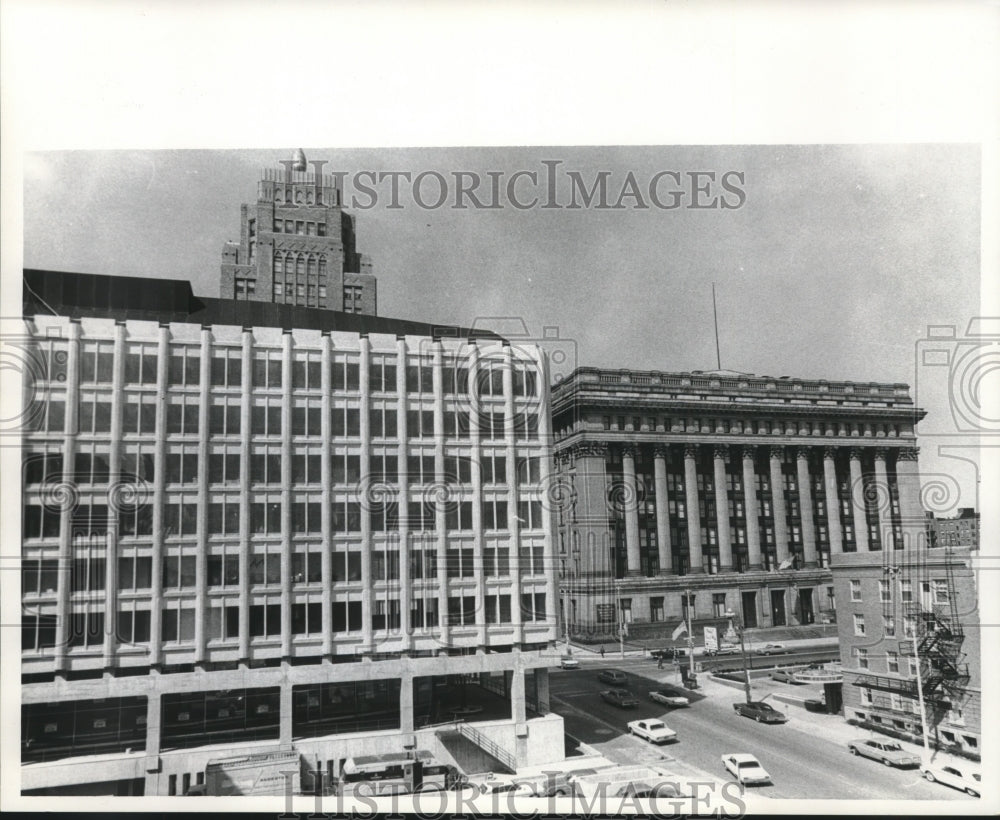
{"type": "Point", "coordinates": [784, 676]}
{"type": "Point", "coordinates": [724, 649]}
{"type": "Point", "coordinates": [772, 649]}
{"type": "Point", "coordinates": [760, 711]}
{"type": "Point", "coordinates": [621, 698]}
{"type": "Point", "coordinates": [653, 730]}
{"type": "Point", "coordinates": [669, 696]}
{"type": "Point", "coordinates": [613, 676]}
{"type": "Point", "coordinates": [958, 776]}
{"type": "Point", "coordinates": [746, 769]}
{"type": "Point", "coordinates": [888, 752]}
{"type": "Point", "coordinates": [569, 662]}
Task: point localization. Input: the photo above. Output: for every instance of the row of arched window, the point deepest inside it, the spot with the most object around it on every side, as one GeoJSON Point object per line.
{"type": "Point", "coordinates": [300, 264]}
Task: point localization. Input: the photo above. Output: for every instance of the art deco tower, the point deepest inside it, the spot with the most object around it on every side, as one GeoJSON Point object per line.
{"type": "Point", "coordinates": [297, 246]}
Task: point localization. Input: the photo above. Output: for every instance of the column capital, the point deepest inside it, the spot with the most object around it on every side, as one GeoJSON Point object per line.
{"type": "Point", "coordinates": [881, 453]}
{"type": "Point", "coordinates": [629, 450]}
{"type": "Point", "coordinates": [588, 448]}
{"type": "Point", "coordinates": [776, 451]}
{"type": "Point", "coordinates": [856, 453]}
{"type": "Point", "coordinates": [661, 451]}
{"type": "Point", "coordinates": [720, 451]}
{"type": "Point", "coordinates": [907, 453]}
{"type": "Point", "coordinates": [830, 452]}
{"type": "Point", "coordinates": [803, 452]}
{"type": "Point", "coordinates": [748, 451]}
{"type": "Point", "coordinates": [691, 450]}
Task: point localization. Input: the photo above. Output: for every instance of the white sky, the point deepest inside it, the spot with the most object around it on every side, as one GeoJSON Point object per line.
{"type": "Point", "coordinates": [833, 268]}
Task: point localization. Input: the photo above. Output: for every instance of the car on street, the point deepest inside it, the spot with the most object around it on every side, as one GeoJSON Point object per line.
{"type": "Point", "coordinates": [888, 752]}
{"type": "Point", "coordinates": [653, 730]}
{"type": "Point", "coordinates": [772, 649]}
{"type": "Point", "coordinates": [746, 769]}
{"type": "Point", "coordinates": [670, 696]}
{"type": "Point", "coordinates": [957, 775]}
{"type": "Point", "coordinates": [724, 649]}
{"type": "Point", "coordinates": [612, 676]}
{"type": "Point", "coordinates": [621, 698]}
{"type": "Point", "coordinates": [784, 676]}
{"type": "Point", "coordinates": [569, 662]}
{"type": "Point", "coordinates": [668, 653]}
{"type": "Point", "coordinates": [760, 711]}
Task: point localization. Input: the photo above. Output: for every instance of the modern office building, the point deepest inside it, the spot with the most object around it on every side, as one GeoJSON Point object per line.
{"type": "Point", "coordinates": [255, 529]}
{"type": "Point", "coordinates": [297, 246]}
{"type": "Point", "coordinates": [909, 626]}
{"type": "Point", "coordinates": [724, 490]}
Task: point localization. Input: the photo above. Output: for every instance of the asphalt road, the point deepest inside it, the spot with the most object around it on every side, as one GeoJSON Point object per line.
{"type": "Point", "coordinates": [801, 765]}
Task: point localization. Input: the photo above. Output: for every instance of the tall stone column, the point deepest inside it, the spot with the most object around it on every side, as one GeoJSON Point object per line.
{"type": "Point", "coordinates": [630, 502]}
{"type": "Point", "coordinates": [201, 557]}
{"type": "Point", "coordinates": [326, 518]}
{"type": "Point", "coordinates": [693, 517]}
{"type": "Point", "coordinates": [778, 507]}
{"type": "Point", "coordinates": [662, 510]}
{"type": "Point", "coordinates": [911, 512]}
{"type": "Point", "coordinates": [286, 504]}
{"type": "Point", "coordinates": [858, 502]}
{"type": "Point", "coordinates": [590, 481]}
{"type": "Point", "coordinates": [883, 499]}
{"type": "Point", "coordinates": [751, 509]}
{"type": "Point", "coordinates": [367, 545]}
{"type": "Point", "coordinates": [720, 454]}
{"type": "Point", "coordinates": [832, 501]}
{"type": "Point", "coordinates": [806, 507]}
{"type": "Point", "coordinates": [67, 492]}
{"type": "Point", "coordinates": [246, 437]}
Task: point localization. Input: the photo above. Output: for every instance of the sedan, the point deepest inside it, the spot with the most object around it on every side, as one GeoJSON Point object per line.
{"type": "Point", "coordinates": [669, 696]}
{"type": "Point", "coordinates": [958, 776]}
{"type": "Point", "coordinates": [668, 654]}
{"type": "Point", "coordinates": [888, 752]}
{"type": "Point", "coordinates": [569, 662]}
{"type": "Point", "coordinates": [745, 768]}
{"type": "Point", "coordinates": [613, 676]}
{"type": "Point", "coordinates": [621, 698]}
{"type": "Point", "coordinates": [772, 649]}
{"type": "Point", "coordinates": [760, 711]}
{"type": "Point", "coordinates": [784, 676]}
{"type": "Point", "coordinates": [655, 731]}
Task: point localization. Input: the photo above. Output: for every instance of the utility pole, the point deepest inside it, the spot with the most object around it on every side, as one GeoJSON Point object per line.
{"type": "Point", "coordinates": [920, 699]}
{"type": "Point", "coordinates": [746, 669]}
{"type": "Point", "coordinates": [690, 641]}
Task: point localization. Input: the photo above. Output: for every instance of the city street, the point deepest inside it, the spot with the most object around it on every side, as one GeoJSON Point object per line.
{"type": "Point", "coordinates": [804, 760]}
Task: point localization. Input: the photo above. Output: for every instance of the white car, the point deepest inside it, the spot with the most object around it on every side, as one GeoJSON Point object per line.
{"type": "Point", "coordinates": [959, 776]}
{"type": "Point", "coordinates": [653, 730]}
{"type": "Point", "coordinates": [745, 768]}
{"type": "Point", "coordinates": [569, 662]}
{"type": "Point", "coordinates": [669, 696]}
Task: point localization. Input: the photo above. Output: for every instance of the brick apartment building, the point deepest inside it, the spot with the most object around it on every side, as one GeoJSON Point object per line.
{"type": "Point", "coordinates": [905, 615]}
{"type": "Point", "coordinates": [262, 528]}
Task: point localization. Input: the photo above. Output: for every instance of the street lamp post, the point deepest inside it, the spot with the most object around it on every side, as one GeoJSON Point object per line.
{"type": "Point", "coordinates": [738, 627]}
{"type": "Point", "coordinates": [690, 634]}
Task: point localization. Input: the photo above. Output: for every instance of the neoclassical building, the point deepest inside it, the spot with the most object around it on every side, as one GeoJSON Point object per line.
{"type": "Point", "coordinates": [731, 488]}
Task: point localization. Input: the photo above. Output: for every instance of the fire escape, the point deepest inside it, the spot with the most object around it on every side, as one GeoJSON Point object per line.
{"type": "Point", "coordinates": [934, 620]}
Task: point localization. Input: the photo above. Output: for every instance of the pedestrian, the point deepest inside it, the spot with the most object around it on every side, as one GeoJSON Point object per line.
{"type": "Point", "coordinates": [659, 662]}
{"type": "Point", "coordinates": [602, 651]}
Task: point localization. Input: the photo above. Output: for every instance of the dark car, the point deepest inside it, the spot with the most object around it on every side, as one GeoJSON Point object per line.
{"type": "Point", "coordinates": [621, 698]}
{"type": "Point", "coordinates": [668, 653]}
{"type": "Point", "coordinates": [615, 676]}
{"type": "Point", "coordinates": [760, 711]}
